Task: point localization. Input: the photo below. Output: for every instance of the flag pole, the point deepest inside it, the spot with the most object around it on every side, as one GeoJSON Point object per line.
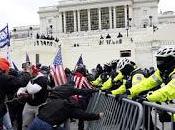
{"type": "Point", "coordinates": [8, 46]}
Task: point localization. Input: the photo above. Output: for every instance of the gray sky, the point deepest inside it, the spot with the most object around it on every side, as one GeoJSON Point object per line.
{"type": "Point", "coordinates": [24, 12]}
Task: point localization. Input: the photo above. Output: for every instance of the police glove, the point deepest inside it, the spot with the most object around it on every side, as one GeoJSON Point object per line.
{"type": "Point", "coordinates": [128, 92]}
{"type": "Point", "coordinates": [107, 93]}
{"type": "Point", "coordinates": [119, 97]}
{"type": "Point", "coordinates": [140, 99]}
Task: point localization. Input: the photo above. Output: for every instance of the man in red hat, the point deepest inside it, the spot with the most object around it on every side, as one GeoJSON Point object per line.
{"type": "Point", "coordinates": [8, 84]}
{"type": "Point", "coordinates": [4, 65]}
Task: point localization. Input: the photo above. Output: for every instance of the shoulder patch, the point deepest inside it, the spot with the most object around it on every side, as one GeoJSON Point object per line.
{"type": "Point", "coordinates": [139, 78]}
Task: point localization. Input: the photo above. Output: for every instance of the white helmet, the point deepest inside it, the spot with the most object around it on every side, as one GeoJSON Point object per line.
{"type": "Point", "coordinates": [122, 63]}
{"type": "Point", "coordinates": [165, 52]}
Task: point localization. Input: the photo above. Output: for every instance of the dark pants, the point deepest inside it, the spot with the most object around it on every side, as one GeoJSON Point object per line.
{"type": "Point", "coordinates": [173, 125]}
{"type": "Point", "coordinates": [83, 105]}
{"type": "Point", "coordinates": [39, 124]}
{"type": "Point", "coordinates": [149, 116]}
{"type": "Point", "coordinates": [15, 111]}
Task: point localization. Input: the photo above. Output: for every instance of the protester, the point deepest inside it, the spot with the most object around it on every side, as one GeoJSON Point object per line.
{"type": "Point", "coordinates": [8, 83]}
{"type": "Point", "coordinates": [59, 108]}
{"type": "Point", "coordinates": [16, 106]}
{"type": "Point", "coordinates": [35, 93]}
{"type": "Point", "coordinates": [81, 82]}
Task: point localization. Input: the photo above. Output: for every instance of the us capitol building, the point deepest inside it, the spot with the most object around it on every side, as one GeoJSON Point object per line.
{"type": "Point", "coordinates": [100, 30]}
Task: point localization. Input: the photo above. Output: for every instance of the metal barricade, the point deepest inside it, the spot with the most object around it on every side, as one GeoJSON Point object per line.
{"type": "Point", "coordinates": [118, 115]}
{"type": "Point", "coordinates": [151, 119]}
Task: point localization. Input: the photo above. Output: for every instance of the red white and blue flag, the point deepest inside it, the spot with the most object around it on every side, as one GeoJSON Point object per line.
{"type": "Point", "coordinates": [81, 81]}
{"type": "Point", "coordinates": [57, 70]}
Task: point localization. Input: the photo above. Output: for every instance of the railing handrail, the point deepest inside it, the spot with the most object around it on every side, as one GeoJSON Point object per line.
{"type": "Point", "coordinates": [161, 107]}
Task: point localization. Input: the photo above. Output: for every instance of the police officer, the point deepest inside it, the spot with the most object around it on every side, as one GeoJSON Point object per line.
{"type": "Point", "coordinates": [129, 75]}
{"type": "Point", "coordinates": [165, 58]}
{"type": "Point", "coordinates": [165, 73]}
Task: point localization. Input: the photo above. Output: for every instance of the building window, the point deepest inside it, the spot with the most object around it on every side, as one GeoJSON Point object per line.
{"type": "Point", "coordinates": [105, 18]}
{"type": "Point", "coordinates": [49, 21]}
{"type": "Point", "coordinates": [120, 17]}
{"type": "Point", "coordinates": [62, 22]}
{"type": "Point", "coordinates": [69, 21]}
{"type": "Point", "coordinates": [145, 12]}
{"type": "Point", "coordinates": [83, 20]}
{"type": "Point", "coordinates": [125, 53]}
{"type": "Point", "coordinates": [94, 17]}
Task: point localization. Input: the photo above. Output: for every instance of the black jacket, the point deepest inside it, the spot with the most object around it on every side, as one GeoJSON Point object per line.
{"type": "Point", "coordinates": [59, 108]}
{"type": "Point", "coordinates": [41, 96]}
{"type": "Point", "coordinates": [8, 84]}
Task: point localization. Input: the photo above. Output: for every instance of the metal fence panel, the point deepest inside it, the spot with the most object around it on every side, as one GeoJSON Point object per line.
{"type": "Point", "coordinates": [152, 111]}
{"type": "Point", "coordinates": [118, 115]}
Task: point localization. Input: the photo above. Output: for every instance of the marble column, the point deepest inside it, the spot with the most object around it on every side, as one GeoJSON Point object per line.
{"type": "Point", "coordinates": [99, 14]}
{"type": "Point", "coordinates": [75, 22]}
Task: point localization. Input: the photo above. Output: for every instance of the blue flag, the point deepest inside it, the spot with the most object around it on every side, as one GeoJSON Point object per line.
{"type": "Point", "coordinates": [80, 61]}
{"type": "Point", "coordinates": [4, 37]}
{"type": "Point", "coordinates": [15, 67]}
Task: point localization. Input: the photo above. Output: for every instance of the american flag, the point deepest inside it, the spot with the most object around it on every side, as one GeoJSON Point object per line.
{"type": "Point", "coordinates": [57, 70]}
{"type": "Point", "coordinates": [81, 82]}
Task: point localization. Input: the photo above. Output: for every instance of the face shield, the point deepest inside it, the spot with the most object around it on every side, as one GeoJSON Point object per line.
{"type": "Point", "coordinates": [165, 63]}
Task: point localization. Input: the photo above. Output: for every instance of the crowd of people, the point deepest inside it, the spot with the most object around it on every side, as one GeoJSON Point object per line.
{"type": "Point", "coordinates": [29, 99]}
{"type": "Point", "coordinates": [46, 37]}
{"type": "Point", "coordinates": [109, 40]}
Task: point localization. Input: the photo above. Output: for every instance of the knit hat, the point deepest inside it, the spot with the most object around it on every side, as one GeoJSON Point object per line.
{"type": "Point", "coordinates": [4, 64]}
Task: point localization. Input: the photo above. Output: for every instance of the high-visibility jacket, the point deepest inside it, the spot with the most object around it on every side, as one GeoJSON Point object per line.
{"type": "Point", "coordinates": [146, 84]}
{"type": "Point", "coordinates": [97, 82]}
{"type": "Point", "coordinates": [165, 93]}
{"type": "Point", "coordinates": [119, 77]}
{"type": "Point", "coordinates": [135, 79]}
{"type": "Point", "coordinates": [120, 90]}
{"type": "Point", "coordinates": [108, 84]}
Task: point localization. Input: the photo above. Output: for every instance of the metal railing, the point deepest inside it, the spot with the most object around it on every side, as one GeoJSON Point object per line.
{"type": "Point", "coordinates": [118, 115]}
{"type": "Point", "coordinates": [151, 120]}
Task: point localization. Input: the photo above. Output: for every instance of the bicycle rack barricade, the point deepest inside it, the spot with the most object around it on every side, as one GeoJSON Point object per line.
{"type": "Point", "coordinates": [153, 111]}
{"type": "Point", "coordinates": [118, 115]}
